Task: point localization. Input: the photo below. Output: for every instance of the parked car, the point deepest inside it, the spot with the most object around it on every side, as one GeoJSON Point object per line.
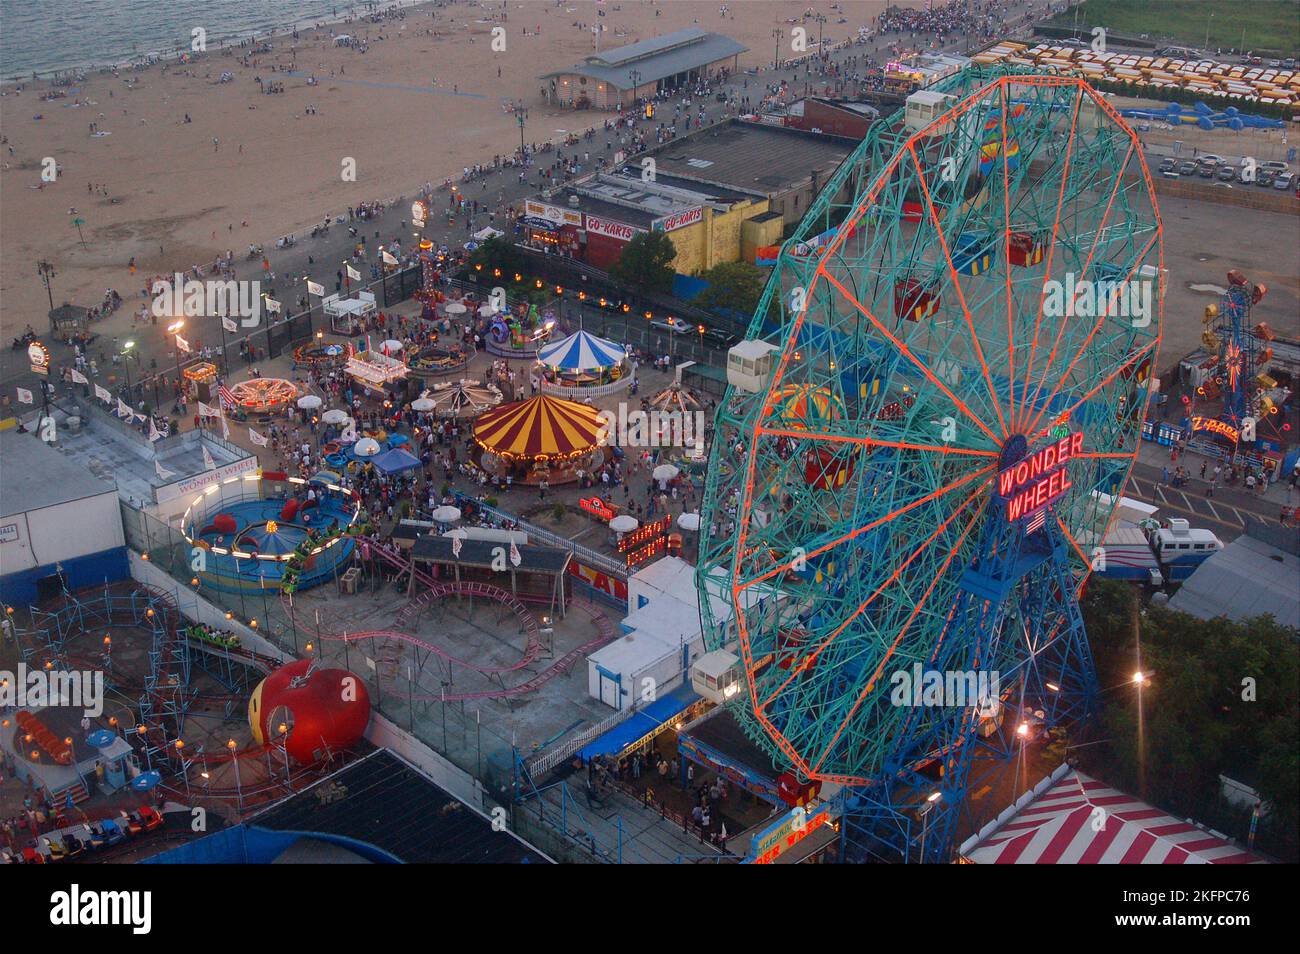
{"type": "Point", "coordinates": [1284, 181]}
{"type": "Point", "coordinates": [1274, 165]}
{"type": "Point", "coordinates": [1168, 163]}
{"type": "Point", "coordinates": [1170, 173]}
{"type": "Point", "coordinates": [717, 338]}
{"type": "Point", "coordinates": [1207, 170]}
{"type": "Point", "coordinates": [1211, 159]}
{"type": "Point", "coordinates": [1265, 177]}
{"type": "Point", "coordinates": [1187, 168]}
{"type": "Point", "coordinates": [1226, 174]}
{"type": "Point", "coordinates": [669, 323]}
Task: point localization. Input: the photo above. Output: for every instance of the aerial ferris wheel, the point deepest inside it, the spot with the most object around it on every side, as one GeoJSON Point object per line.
{"type": "Point", "coordinates": [921, 447]}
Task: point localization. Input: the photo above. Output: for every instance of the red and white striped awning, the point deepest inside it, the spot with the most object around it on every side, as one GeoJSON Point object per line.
{"type": "Point", "coordinates": [1080, 820]}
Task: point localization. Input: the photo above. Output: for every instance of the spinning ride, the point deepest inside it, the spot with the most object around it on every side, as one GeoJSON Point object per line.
{"type": "Point", "coordinates": [259, 395]}
{"type": "Point", "coordinates": [912, 466]}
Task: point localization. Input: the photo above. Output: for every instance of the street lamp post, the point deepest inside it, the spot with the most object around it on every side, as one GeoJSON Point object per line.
{"type": "Point", "coordinates": [635, 77]}
{"type": "Point", "coordinates": [174, 330]}
{"type": "Point", "coordinates": [777, 34]}
{"type": "Point", "coordinates": [46, 271]}
{"type": "Point", "coordinates": [521, 116]}
{"type": "Point", "coordinates": [126, 368]}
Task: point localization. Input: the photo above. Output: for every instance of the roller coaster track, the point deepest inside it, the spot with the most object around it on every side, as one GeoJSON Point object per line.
{"type": "Point", "coordinates": [442, 589]}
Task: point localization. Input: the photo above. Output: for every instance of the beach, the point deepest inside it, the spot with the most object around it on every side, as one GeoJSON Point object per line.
{"type": "Point", "coordinates": [426, 98]}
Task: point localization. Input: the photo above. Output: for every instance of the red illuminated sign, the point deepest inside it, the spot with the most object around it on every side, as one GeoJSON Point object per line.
{"type": "Point", "coordinates": [1040, 478]}
{"type": "Point", "coordinates": [646, 541]}
{"type": "Point", "coordinates": [1214, 426]}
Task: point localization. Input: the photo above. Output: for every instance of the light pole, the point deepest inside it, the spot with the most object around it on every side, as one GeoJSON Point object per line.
{"type": "Point", "coordinates": [635, 77]}
{"type": "Point", "coordinates": [521, 116]}
{"type": "Point", "coordinates": [126, 368]}
{"type": "Point", "coordinates": [174, 330]}
{"type": "Point", "coordinates": [46, 271]}
{"type": "Point", "coordinates": [1207, 30]}
{"type": "Point", "coordinates": [925, 818]}
{"type": "Point", "coordinates": [777, 34]}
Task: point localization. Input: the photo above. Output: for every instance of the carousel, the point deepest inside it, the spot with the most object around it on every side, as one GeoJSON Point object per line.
{"type": "Point", "coordinates": [322, 354]}
{"type": "Point", "coordinates": [583, 366]}
{"type": "Point", "coordinates": [263, 395]}
{"type": "Point", "coordinates": [458, 400]}
{"type": "Point", "coordinates": [542, 438]}
{"type": "Point", "coordinates": [375, 368]}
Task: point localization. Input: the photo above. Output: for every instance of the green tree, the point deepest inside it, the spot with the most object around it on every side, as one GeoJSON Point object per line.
{"type": "Point", "coordinates": [498, 253]}
{"type": "Point", "coordinates": [646, 263]}
{"type": "Point", "coordinates": [1222, 700]}
{"type": "Point", "coordinates": [733, 287]}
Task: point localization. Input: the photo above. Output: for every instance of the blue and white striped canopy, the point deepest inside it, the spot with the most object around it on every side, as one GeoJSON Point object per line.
{"type": "Point", "coordinates": [581, 352]}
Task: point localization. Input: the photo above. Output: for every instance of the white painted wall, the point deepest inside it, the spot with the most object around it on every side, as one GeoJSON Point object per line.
{"type": "Point", "coordinates": [62, 532]}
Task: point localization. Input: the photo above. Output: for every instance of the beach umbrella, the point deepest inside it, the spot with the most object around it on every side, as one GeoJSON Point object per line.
{"type": "Point", "coordinates": [665, 472]}
{"type": "Point", "coordinates": [146, 781]}
{"type": "Point", "coordinates": [309, 402]}
{"type": "Point", "coordinates": [422, 404]}
{"type": "Point", "coordinates": [623, 523]}
{"type": "Point", "coordinates": [392, 346]}
{"type": "Point", "coordinates": [334, 416]}
{"type": "Point", "coordinates": [366, 447]}
{"type": "Point", "coordinates": [446, 514]}
{"type": "Point", "coordinates": [689, 521]}
{"type": "Point", "coordinates": [471, 246]}
{"type": "Point", "coordinates": [455, 308]}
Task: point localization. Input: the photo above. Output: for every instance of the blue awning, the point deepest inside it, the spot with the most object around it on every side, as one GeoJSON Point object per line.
{"type": "Point", "coordinates": [638, 726]}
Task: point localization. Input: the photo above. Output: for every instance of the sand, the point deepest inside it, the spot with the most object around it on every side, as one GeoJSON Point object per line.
{"type": "Point", "coordinates": [415, 108]}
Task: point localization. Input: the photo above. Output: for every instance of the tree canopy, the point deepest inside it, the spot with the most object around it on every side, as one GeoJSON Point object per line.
{"type": "Point", "coordinates": [646, 263]}
{"type": "Point", "coordinates": [734, 289]}
{"type": "Point", "coordinates": [1222, 699]}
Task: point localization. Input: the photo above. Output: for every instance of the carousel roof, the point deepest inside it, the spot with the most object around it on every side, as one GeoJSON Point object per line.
{"type": "Point", "coordinates": [582, 351]}
{"type": "Point", "coordinates": [539, 426]}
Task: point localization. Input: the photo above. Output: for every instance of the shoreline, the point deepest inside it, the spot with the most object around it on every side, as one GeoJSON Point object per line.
{"type": "Point", "coordinates": [140, 62]}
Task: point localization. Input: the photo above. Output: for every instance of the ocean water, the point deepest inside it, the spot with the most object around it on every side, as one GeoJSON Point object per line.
{"type": "Point", "coordinates": [47, 35]}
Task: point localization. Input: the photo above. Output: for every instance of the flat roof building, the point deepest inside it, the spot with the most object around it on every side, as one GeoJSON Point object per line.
{"type": "Point", "coordinates": [617, 78]}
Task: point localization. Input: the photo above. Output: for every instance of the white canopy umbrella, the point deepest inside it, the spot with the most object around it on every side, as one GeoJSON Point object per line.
{"type": "Point", "coordinates": [623, 523]}
{"type": "Point", "coordinates": [366, 447]}
{"type": "Point", "coordinates": [446, 514]}
{"type": "Point", "coordinates": [665, 472]}
{"type": "Point", "coordinates": [392, 347]}
{"type": "Point", "coordinates": [689, 521]}
{"type": "Point", "coordinates": [334, 416]}
{"type": "Point", "coordinates": [309, 402]}
{"type": "Point", "coordinates": [455, 308]}
{"type": "Point", "coordinates": [422, 404]}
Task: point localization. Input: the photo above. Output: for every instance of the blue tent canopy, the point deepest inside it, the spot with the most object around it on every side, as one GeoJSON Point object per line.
{"type": "Point", "coordinates": [638, 726]}
{"type": "Point", "coordinates": [395, 461]}
{"type": "Point", "coordinates": [582, 351]}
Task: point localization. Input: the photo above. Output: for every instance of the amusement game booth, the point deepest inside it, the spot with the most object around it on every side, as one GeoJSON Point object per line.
{"type": "Point", "coordinates": [583, 366]}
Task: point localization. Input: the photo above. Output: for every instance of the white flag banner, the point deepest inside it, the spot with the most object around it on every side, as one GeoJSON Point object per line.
{"type": "Point", "coordinates": [25, 396]}
{"type": "Point", "coordinates": [163, 472]}
{"type": "Point", "coordinates": [154, 434]}
{"type": "Point", "coordinates": [258, 439]}
{"type": "Point", "coordinates": [515, 557]}
{"type": "Point", "coordinates": [207, 410]}
{"type": "Point", "coordinates": [124, 409]}
{"type": "Point", "coordinates": [389, 259]}
{"type": "Point", "coordinates": [229, 325]}
{"type": "Point", "coordinates": [79, 378]}
{"type": "Point", "coordinates": [272, 306]}
{"type": "Point", "coordinates": [314, 288]}
{"type": "Point", "coordinates": [225, 429]}
{"type": "Point", "coordinates": [208, 462]}
{"type": "Point", "coordinates": [353, 274]}
{"type": "Point", "coordinates": [455, 545]}
{"type": "Point", "coordinates": [182, 344]}
{"type": "Point", "coordinates": [102, 394]}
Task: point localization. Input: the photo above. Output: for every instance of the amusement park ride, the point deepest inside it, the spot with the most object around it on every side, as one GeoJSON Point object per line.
{"type": "Point", "coordinates": [930, 502]}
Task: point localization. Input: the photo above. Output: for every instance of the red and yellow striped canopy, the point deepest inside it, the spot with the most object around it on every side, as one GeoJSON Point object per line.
{"type": "Point", "coordinates": [540, 428]}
